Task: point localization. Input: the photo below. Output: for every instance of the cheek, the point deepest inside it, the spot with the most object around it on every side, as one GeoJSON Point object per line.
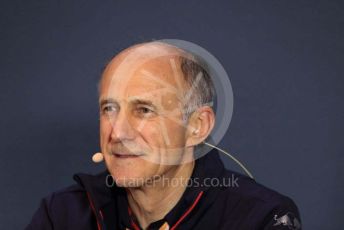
{"type": "Point", "coordinates": [150, 135]}
{"type": "Point", "coordinates": [105, 131]}
{"type": "Point", "coordinates": [173, 133]}
{"type": "Point", "coordinates": [165, 133]}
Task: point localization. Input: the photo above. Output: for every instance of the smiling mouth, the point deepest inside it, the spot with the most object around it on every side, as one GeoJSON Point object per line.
{"type": "Point", "coordinates": [125, 156]}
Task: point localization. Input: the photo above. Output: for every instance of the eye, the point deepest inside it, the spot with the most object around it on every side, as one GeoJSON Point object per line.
{"type": "Point", "coordinates": [108, 109]}
{"type": "Point", "coordinates": [144, 110]}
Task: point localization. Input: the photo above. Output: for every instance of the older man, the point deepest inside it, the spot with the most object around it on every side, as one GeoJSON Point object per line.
{"type": "Point", "coordinates": [155, 108]}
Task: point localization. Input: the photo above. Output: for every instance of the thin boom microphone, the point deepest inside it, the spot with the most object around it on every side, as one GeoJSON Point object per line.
{"type": "Point", "coordinates": [233, 158]}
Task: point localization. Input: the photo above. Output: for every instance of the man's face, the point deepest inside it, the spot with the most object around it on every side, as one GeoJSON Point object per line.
{"type": "Point", "coordinates": [142, 132]}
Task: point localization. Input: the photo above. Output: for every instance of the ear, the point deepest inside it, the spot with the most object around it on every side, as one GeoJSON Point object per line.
{"type": "Point", "coordinates": [200, 125]}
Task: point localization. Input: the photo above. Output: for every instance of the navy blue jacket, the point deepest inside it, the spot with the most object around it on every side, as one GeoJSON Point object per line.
{"type": "Point", "coordinates": [216, 198]}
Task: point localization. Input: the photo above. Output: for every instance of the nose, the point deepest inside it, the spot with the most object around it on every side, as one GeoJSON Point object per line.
{"type": "Point", "coordinates": [122, 129]}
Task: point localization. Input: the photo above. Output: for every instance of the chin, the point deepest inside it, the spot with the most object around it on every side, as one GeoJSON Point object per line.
{"type": "Point", "coordinates": [129, 182]}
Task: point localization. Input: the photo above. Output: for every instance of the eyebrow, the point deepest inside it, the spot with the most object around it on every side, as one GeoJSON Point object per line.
{"type": "Point", "coordinates": [107, 101]}
{"type": "Point", "coordinates": [134, 102]}
{"type": "Point", "coordinates": [143, 102]}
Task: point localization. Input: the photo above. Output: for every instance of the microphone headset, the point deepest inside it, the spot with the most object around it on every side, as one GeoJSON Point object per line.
{"type": "Point", "coordinates": [99, 157]}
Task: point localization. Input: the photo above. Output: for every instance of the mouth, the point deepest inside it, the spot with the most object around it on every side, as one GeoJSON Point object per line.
{"type": "Point", "coordinates": [126, 156]}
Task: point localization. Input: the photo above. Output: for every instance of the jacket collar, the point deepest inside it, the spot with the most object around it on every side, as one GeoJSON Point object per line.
{"type": "Point", "coordinates": [109, 200]}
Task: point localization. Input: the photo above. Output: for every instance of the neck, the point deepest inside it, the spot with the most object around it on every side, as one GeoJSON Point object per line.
{"type": "Point", "coordinates": [151, 203]}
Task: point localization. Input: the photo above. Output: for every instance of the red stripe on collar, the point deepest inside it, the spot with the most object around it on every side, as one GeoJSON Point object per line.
{"type": "Point", "coordinates": [187, 211]}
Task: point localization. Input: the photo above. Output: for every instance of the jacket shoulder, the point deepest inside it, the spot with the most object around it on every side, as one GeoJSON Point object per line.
{"type": "Point", "coordinates": [60, 208]}
{"type": "Point", "coordinates": [259, 204]}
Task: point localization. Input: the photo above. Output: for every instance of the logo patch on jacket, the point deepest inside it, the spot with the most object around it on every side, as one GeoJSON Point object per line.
{"type": "Point", "coordinates": [288, 220]}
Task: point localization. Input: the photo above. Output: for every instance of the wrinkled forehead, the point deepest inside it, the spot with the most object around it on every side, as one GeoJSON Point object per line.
{"type": "Point", "coordinates": [147, 69]}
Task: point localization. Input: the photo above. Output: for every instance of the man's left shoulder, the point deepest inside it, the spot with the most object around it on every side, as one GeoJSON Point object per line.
{"type": "Point", "coordinates": [259, 203]}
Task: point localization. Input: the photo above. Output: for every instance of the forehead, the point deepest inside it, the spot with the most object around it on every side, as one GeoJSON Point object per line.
{"type": "Point", "coordinates": [143, 77]}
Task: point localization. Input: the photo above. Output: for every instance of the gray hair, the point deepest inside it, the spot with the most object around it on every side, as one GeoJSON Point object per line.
{"type": "Point", "coordinates": [200, 87]}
